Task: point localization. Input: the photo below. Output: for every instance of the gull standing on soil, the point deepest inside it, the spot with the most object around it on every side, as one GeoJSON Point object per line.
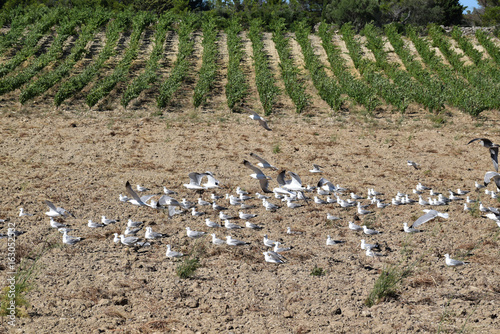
{"type": "Point", "coordinates": [173, 254]}
{"type": "Point", "coordinates": [273, 257]}
{"type": "Point", "coordinates": [231, 226]}
{"type": "Point", "coordinates": [168, 191]}
{"type": "Point", "coordinates": [369, 231]}
{"type": "Point", "coordinates": [210, 223]}
{"type": "Point", "coordinates": [371, 253]}
{"type": "Point", "coordinates": [453, 263]}
{"type": "Point", "coordinates": [152, 235]}
{"type": "Point", "coordinates": [123, 198]}
{"type": "Point", "coordinates": [408, 229]}
{"type": "Point", "coordinates": [329, 216]}
{"type": "Point", "coordinates": [256, 117]}
{"type": "Point", "coordinates": [277, 248]}
{"type": "Point", "coordinates": [107, 221]}
{"type": "Point", "coordinates": [132, 241]}
{"type": "Point", "coordinates": [289, 231]}
{"type": "Point", "coordinates": [56, 224]}
{"type": "Point", "coordinates": [131, 223]}
{"type": "Point", "coordinates": [253, 226]}
{"type": "Point", "coordinates": [354, 227]}
{"type": "Point", "coordinates": [132, 230]}
{"type": "Point", "coordinates": [366, 246]}
{"type": "Point", "coordinates": [235, 242]}
{"type": "Point", "coordinates": [69, 240]}
{"type": "Point", "coordinates": [493, 148]}
{"type": "Point", "coordinates": [141, 188]}
{"type": "Point", "coordinates": [246, 216]}
{"type": "Point", "coordinates": [194, 234]}
{"type": "Point", "coordinates": [196, 213]}
{"type": "Point", "coordinates": [202, 202]}
{"type": "Point", "coordinates": [331, 242]}
{"type": "Point", "coordinates": [217, 241]}
{"type": "Point", "coordinates": [268, 242]}
{"type": "Point", "coordinates": [91, 224]}
{"type": "Point", "coordinates": [223, 216]}
{"type": "Point", "coordinates": [413, 164]}
{"type": "Point", "coordinates": [361, 211]}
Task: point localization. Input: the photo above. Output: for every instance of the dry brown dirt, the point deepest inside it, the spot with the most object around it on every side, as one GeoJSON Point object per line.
{"type": "Point", "coordinates": [80, 159]}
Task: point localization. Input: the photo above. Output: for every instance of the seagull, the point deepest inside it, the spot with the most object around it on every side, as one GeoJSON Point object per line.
{"type": "Point", "coordinates": [132, 230]}
{"type": "Point", "coordinates": [187, 204]}
{"type": "Point", "coordinates": [168, 191]}
{"type": "Point", "coordinates": [263, 163]}
{"type": "Point", "coordinates": [410, 229]}
{"type": "Point", "coordinates": [293, 205]}
{"type": "Point", "coordinates": [318, 200]}
{"type": "Point", "coordinates": [196, 213]}
{"type": "Point", "coordinates": [370, 231]}
{"type": "Point", "coordinates": [217, 241]}
{"type": "Point", "coordinates": [256, 117]}
{"type": "Point", "coordinates": [202, 202]}
{"type": "Point", "coordinates": [246, 216]}
{"type": "Point", "coordinates": [492, 175]}
{"type": "Point", "coordinates": [354, 227]}
{"type": "Point", "coordinates": [289, 231]}
{"type": "Point", "coordinates": [361, 211]}
{"type": "Point", "coordinates": [235, 242]}
{"type": "Point", "coordinates": [366, 246]}
{"type": "Point", "coordinates": [153, 235]}
{"type": "Point", "coordinates": [493, 148]}
{"type": "Point", "coordinates": [56, 212]}
{"type": "Point", "coordinates": [194, 234]}
{"type": "Point", "coordinates": [91, 224]}
{"type": "Point", "coordinates": [173, 254]}
{"type": "Point", "coordinates": [330, 241]}
{"type": "Point", "coordinates": [215, 197]}
{"type": "Point", "coordinates": [258, 174]}
{"type": "Point", "coordinates": [22, 213]}
{"type": "Point", "coordinates": [268, 242]}
{"type": "Point", "coordinates": [413, 164]}
{"type": "Point", "coordinates": [56, 224]}
{"type": "Point", "coordinates": [124, 198]}
{"type": "Point", "coordinates": [329, 216]}
{"type": "Point", "coordinates": [421, 187]}
{"type": "Point", "coordinates": [69, 240]}
{"type": "Point", "coordinates": [429, 215]}
{"type": "Point", "coordinates": [269, 206]}
{"type": "Point", "coordinates": [210, 223]}
{"type": "Point", "coordinates": [273, 257]}
{"type": "Point", "coordinates": [116, 239]}
{"type": "Point", "coordinates": [107, 221]}
{"type": "Point", "coordinates": [370, 253]}
{"type": "Point", "coordinates": [259, 196]}
{"type": "Point", "coordinates": [223, 216]}
{"type": "Point", "coordinates": [132, 241]}
{"type": "Point", "coordinates": [136, 200]}
{"type": "Point", "coordinates": [381, 205]}
{"type": "Point", "coordinates": [141, 188]}
{"type": "Point", "coordinates": [195, 181]}
{"type": "Point", "coordinates": [316, 169]}
{"type": "Point", "coordinates": [131, 223]}
{"type": "Point", "coordinates": [253, 226]}
{"type": "Point", "coordinates": [451, 262]}
{"type": "Point", "coordinates": [212, 182]}
{"type": "Point", "coordinates": [294, 184]}
{"type": "Point", "coordinates": [277, 248]}
{"type": "Point", "coordinates": [231, 226]}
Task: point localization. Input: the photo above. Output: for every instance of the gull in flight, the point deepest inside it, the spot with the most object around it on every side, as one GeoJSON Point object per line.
{"type": "Point", "coordinates": [136, 200]}
{"type": "Point", "coordinates": [173, 254]}
{"type": "Point", "coordinates": [253, 226]}
{"type": "Point", "coordinates": [294, 184]}
{"type": "Point", "coordinates": [273, 257]}
{"type": "Point", "coordinates": [153, 235]}
{"type": "Point", "coordinates": [69, 240]}
{"type": "Point", "coordinates": [493, 148]}
{"type": "Point", "coordinates": [413, 164]}
{"type": "Point", "coordinates": [256, 117]}
{"type": "Point", "coordinates": [217, 241]}
{"type": "Point", "coordinates": [212, 182]}
{"type": "Point", "coordinates": [194, 234]}
{"type": "Point", "coordinates": [258, 173]}
{"type": "Point", "coordinates": [235, 242]}
{"type": "Point", "coordinates": [370, 231]}
{"type": "Point", "coordinates": [316, 169]}
{"type": "Point", "coordinates": [408, 229]}
{"type": "Point", "coordinates": [91, 224]}
{"type": "Point", "coordinates": [492, 175]}
{"type": "Point", "coordinates": [22, 213]}
{"type": "Point", "coordinates": [195, 181]}
{"type": "Point", "coordinates": [141, 188]}
{"type": "Point", "coordinates": [56, 212]}
{"type": "Point", "coordinates": [263, 163]}
{"type": "Point", "coordinates": [330, 241]}
{"type": "Point", "coordinates": [451, 262]}
{"type": "Point", "coordinates": [429, 215]}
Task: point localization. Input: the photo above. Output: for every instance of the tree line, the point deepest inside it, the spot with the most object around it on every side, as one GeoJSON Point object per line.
{"type": "Point", "coordinates": [359, 12]}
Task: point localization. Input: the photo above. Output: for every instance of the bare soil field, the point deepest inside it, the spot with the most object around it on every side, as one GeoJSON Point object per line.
{"type": "Point", "coordinates": [80, 159]}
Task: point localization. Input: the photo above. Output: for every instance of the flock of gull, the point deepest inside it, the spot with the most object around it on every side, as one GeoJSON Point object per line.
{"type": "Point", "coordinates": [290, 191]}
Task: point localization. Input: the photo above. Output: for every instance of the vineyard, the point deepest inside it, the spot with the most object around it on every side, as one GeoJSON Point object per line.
{"type": "Point", "coordinates": [109, 60]}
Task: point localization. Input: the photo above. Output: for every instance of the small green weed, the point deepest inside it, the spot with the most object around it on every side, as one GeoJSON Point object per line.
{"type": "Point", "coordinates": [317, 271]}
